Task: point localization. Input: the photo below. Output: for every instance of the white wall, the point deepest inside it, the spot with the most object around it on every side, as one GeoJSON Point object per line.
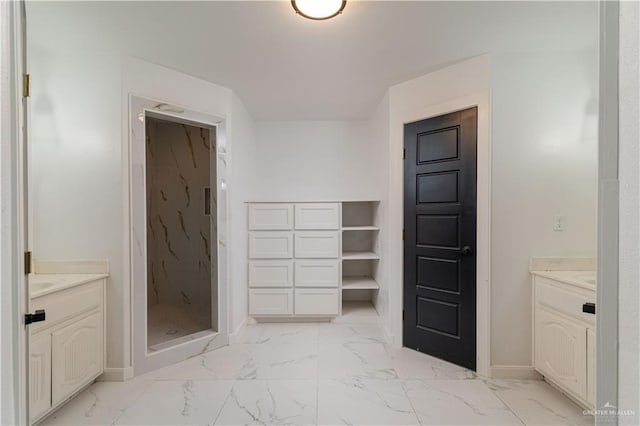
{"type": "Point", "coordinates": [79, 167]}
{"type": "Point", "coordinates": [76, 170]}
{"type": "Point", "coordinates": [316, 160]}
{"type": "Point", "coordinates": [379, 125]}
{"type": "Point", "coordinates": [629, 172]}
{"type": "Point", "coordinates": [543, 163]}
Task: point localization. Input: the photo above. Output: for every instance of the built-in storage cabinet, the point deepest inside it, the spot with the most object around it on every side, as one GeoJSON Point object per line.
{"type": "Point", "coordinates": [305, 278]}
{"type": "Point", "coordinates": [67, 349]}
{"type": "Point", "coordinates": [564, 337]}
{"type": "Point", "coordinates": [332, 247]}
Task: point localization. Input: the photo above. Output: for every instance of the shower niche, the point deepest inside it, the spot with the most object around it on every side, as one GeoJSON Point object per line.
{"type": "Point", "coordinates": [181, 232]}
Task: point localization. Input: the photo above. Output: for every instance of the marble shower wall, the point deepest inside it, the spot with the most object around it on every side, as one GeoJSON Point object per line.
{"type": "Point", "coordinates": [180, 257]}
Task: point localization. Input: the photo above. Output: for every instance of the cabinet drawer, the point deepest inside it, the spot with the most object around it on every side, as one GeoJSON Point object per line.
{"type": "Point", "coordinates": [270, 245]}
{"type": "Point", "coordinates": [320, 244]}
{"type": "Point", "coordinates": [270, 302]}
{"type": "Point", "coordinates": [63, 305]}
{"type": "Point", "coordinates": [76, 356]}
{"type": "Point", "coordinates": [317, 273]}
{"type": "Point", "coordinates": [564, 298]}
{"type": "Point", "coordinates": [317, 216]}
{"type": "Point", "coordinates": [271, 273]}
{"type": "Point", "coordinates": [316, 301]}
{"type": "Point", "coordinates": [270, 216]}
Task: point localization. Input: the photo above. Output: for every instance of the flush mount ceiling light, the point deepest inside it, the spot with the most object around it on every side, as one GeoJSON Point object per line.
{"type": "Point", "coordinates": [318, 10]}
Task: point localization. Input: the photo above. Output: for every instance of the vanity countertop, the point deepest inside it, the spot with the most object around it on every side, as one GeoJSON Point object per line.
{"type": "Point", "coordinates": [43, 284]}
{"type": "Point", "coordinates": [584, 279]}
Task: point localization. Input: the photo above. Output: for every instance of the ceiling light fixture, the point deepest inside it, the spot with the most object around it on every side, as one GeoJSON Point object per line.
{"type": "Point", "coordinates": [319, 10]}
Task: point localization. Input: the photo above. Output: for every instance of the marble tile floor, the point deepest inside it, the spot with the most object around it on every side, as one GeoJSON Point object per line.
{"type": "Point", "coordinates": [169, 322]}
{"type": "Point", "coordinates": [324, 374]}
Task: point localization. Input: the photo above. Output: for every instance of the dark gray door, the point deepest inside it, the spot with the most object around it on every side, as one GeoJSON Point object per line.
{"type": "Point", "coordinates": [440, 237]}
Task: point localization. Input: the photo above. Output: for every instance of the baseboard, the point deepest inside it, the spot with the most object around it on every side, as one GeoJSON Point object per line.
{"type": "Point", "coordinates": [116, 374]}
{"type": "Point", "coordinates": [514, 372]}
{"type": "Point", "coordinates": [233, 337]}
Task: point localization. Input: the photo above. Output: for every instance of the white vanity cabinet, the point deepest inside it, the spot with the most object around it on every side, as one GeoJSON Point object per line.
{"type": "Point", "coordinates": [294, 259]}
{"type": "Point", "coordinates": [67, 349]}
{"type": "Point", "coordinates": [564, 336]}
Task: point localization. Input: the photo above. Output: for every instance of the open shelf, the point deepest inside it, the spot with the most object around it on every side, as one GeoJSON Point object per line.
{"type": "Point", "coordinates": [361, 228]}
{"type": "Point", "coordinates": [359, 283]}
{"type": "Point", "coordinates": [359, 255]}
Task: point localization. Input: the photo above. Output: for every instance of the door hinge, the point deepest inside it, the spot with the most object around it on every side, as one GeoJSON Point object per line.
{"type": "Point", "coordinates": [402, 234]}
{"type": "Point", "coordinates": [26, 85]}
{"type": "Point", "coordinates": [39, 316]}
{"type": "Point", "coordinates": [27, 262]}
{"type": "Point", "coordinates": [403, 315]}
{"type": "Point", "coordinates": [404, 153]}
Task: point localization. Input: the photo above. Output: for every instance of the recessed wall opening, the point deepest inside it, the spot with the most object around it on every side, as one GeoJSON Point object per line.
{"type": "Point", "coordinates": [182, 276]}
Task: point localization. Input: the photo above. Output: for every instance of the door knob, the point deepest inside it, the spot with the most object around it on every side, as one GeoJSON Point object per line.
{"type": "Point", "coordinates": [466, 251]}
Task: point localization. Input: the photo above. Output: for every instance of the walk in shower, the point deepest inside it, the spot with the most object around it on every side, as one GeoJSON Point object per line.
{"type": "Point", "coordinates": [178, 215]}
{"type": "Point", "coordinates": [181, 261]}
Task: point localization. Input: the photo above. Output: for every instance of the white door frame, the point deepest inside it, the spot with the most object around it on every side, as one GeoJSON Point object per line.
{"type": "Point", "coordinates": [14, 374]}
{"type": "Point", "coordinates": [143, 360]}
{"type": "Point", "coordinates": [608, 213]}
{"type": "Point", "coordinates": [482, 101]}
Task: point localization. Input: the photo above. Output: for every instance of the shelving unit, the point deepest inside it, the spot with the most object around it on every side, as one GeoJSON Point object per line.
{"type": "Point", "coordinates": [359, 283]}
{"type": "Point", "coordinates": [360, 228]}
{"type": "Point", "coordinates": [359, 255]}
{"type": "Point", "coordinates": [360, 251]}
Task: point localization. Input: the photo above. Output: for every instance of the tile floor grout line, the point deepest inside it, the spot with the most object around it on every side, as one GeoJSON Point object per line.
{"type": "Point", "coordinates": [224, 403]}
{"type": "Point", "coordinates": [507, 405]}
{"type": "Point", "coordinates": [415, 413]}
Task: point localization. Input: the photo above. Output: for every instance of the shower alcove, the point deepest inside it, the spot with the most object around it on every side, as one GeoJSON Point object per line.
{"type": "Point", "coordinates": [179, 220]}
{"type": "Point", "coordinates": [181, 265]}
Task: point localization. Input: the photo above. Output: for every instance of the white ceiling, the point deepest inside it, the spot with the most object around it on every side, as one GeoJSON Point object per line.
{"type": "Point", "coordinates": [285, 67]}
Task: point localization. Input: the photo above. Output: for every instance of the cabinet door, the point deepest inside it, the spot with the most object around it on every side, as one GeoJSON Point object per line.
{"type": "Point", "coordinates": [272, 301]}
{"type": "Point", "coordinates": [270, 216]}
{"type": "Point", "coordinates": [271, 273]}
{"type": "Point", "coordinates": [560, 351]}
{"type": "Point", "coordinates": [317, 216]}
{"type": "Point", "coordinates": [317, 273]}
{"type": "Point", "coordinates": [317, 301]}
{"type": "Point", "coordinates": [76, 352]}
{"type": "Point", "coordinates": [318, 244]}
{"type": "Point", "coordinates": [39, 374]}
{"type": "Point", "coordinates": [270, 245]}
{"type": "Point", "coordinates": [591, 366]}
